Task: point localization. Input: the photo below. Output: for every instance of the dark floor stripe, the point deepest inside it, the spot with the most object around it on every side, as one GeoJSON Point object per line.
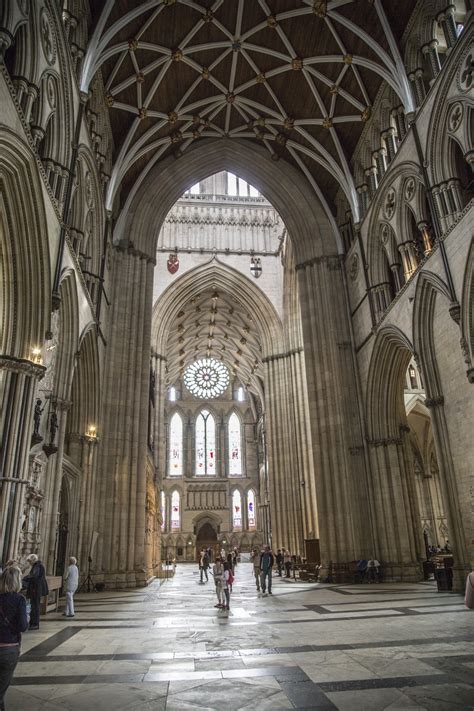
{"type": "Point", "coordinates": [398, 682]}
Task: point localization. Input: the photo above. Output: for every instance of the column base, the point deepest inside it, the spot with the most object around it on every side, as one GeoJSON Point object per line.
{"type": "Point", "coordinates": [125, 579]}
{"type": "Point", "coordinates": [394, 572]}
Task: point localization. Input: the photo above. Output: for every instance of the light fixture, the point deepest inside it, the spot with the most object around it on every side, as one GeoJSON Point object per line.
{"type": "Point", "coordinates": [91, 433]}
{"type": "Point", "coordinates": [36, 355]}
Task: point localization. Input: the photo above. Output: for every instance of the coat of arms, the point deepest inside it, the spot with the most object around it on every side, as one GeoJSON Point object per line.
{"type": "Point", "coordinates": [173, 263]}
{"type": "Point", "coordinates": [256, 266]}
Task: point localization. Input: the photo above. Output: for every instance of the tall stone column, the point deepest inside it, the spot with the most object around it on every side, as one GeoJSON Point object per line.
{"type": "Point", "coordinates": [340, 475]}
{"type": "Point", "coordinates": [396, 518]}
{"type": "Point", "coordinates": [283, 481]}
{"type": "Point", "coordinates": [121, 512]}
{"type": "Point", "coordinates": [18, 378]}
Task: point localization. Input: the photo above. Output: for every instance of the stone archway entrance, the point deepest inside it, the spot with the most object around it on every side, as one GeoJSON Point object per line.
{"type": "Point", "coordinates": [206, 537]}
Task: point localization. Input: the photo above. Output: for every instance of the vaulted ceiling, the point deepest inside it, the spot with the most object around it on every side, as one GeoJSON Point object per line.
{"type": "Point", "coordinates": [297, 76]}
{"type": "Point", "coordinates": [215, 324]}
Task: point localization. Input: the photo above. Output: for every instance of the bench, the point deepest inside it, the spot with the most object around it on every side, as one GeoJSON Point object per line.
{"type": "Point", "coordinates": [50, 602]}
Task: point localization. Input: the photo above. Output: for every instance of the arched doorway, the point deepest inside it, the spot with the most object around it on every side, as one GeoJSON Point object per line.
{"type": "Point", "coordinates": [206, 537]}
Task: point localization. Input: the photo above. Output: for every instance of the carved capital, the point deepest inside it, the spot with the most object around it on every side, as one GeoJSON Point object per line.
{"type": "Point", "coordinates": [21, 365]}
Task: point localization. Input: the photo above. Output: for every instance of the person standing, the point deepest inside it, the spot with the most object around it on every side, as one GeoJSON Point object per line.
{"type": "Point", "coordinates": [13, 621]}
{"type": "Point", "coordinates": [71, 581]}
{"type": "Point", "coordinates": [227, 581]}
{"type": "Point", "coordinates": [36, 587]}
{"type": "Point", "coordinates": [204, 565]}
{"type": "Point", "coordinates": [287, 561]}
{"type": "Point", "coordinates": [255, 559]}
{"type": "Point", "coordinates": [218, 574]}
{"type": "Point", "coordinates": [279, 561]}
{"type": "Point", "coordinates": [266, 565]}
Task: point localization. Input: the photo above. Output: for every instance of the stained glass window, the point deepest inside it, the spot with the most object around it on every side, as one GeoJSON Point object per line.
{"type": "Point", "coordinates": [205, 444]}
{"type": "Point", "coordinates": [235, 448]}
{"type": "Point", "coordinates": [251, 517]}
{"type": "Point", "coordinates": [175, 511]}
{"type": "Point", "coordinates": [236, 511]}
{"type": "Point", "coordinates": [176, 446]}
{"type": "Point", "coordinates": [163, 510]}
{"type": "Point", "coordinates": [206, 378]}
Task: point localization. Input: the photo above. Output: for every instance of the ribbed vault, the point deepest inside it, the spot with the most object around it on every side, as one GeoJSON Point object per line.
{"type": "Point", "coordinates": [297, 76]}
{"type": "Point", "coordinates": [213, 311]}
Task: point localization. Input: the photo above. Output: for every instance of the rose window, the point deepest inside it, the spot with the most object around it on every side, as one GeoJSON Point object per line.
{"type": "Point", "coordinates": [206, 378]}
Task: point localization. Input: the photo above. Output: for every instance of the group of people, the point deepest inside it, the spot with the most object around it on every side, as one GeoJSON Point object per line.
{"type": "Point", "coordinates": [222, 572]}
{"type": "Point", "coordinates": [17, 615]}
{"type": "Point", "coordinates": [263, 563]}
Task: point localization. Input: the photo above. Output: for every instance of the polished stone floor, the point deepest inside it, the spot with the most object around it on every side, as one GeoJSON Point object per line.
{"type": "Point", "coordinates": [360, 647]}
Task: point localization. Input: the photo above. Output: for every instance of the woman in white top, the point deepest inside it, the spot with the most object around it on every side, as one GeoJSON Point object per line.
{"type": "Point", "coordinates": [71, 581]}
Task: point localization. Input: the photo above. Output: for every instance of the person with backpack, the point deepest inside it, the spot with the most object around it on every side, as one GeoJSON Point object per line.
{"type": "Point", "coordinates": [36, 588]}
{"type": "Point", "coordinates": [13, 621]}
{"type": "Point", "coordinates": [266, 565]}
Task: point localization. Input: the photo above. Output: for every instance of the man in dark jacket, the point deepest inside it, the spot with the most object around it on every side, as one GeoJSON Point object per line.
{"type": "Point", "coordinates": [36, 587]}
{"type": "Point", "coordinates": [266, 565]}
{"type": "Point", "coordinates": [279, 561]}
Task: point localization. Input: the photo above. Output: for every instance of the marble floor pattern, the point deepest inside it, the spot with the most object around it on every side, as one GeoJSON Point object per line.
{"type": "Point", "coordinates": [308, 646]}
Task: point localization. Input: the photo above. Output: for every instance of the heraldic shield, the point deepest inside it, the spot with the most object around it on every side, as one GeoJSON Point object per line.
{"type": "Point", "coordinates": [173, 263]}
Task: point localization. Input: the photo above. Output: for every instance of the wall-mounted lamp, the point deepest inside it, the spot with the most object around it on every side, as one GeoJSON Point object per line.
{"type": "Point", "coordinates": [91, 433]}
{"type": "Point", "coordinates": [35, 356]}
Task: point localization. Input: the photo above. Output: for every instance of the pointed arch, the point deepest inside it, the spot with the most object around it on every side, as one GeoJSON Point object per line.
{"type": "Point", "coordinates": [385, 406]}
{"type": "Point", "coordinates": [25, 268]}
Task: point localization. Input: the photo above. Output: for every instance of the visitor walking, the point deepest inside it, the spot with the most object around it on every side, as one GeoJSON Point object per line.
{"type": "Point", "coordinates": [279, 561]}
{"type": "Point", "coordinates": [218, 574]}
{"type": "Point", "coordinates": [13, 621]}
{"type": "Point", "coordinates": [255, 560]}
{"type": "Point", "coordinates": [266, 565]}
{"type": "Point", "coordinates": [287, 561]}
{"type": "Point", "coordinates": [36, 587]}
{"type": "Point", "coordinates": [71, 581]}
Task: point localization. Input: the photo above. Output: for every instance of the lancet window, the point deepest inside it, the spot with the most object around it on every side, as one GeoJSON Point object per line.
{"type": "Point", "coordinates": [205, 444]}
{"type": "Point", "coordinates": [235, 446]}
{"type": "Point", "coordinates": [175, 511]}
{"type": "Point", "coordinates": [176, 446]}
{"type": "Point", "coordinates": [251, 516]}
{"type": "Point", "coordinates": [236, 511]}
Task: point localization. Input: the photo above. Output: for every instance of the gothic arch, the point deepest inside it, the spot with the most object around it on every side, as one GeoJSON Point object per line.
{"type": "Point", "coordinates": [215, 274]}
{"type": "Point", "coordinates": [86, 387]}
{"type": "Point", "coordinates": [68, 335]}
{"type": "Point", "coordinates": [467, 312]}
{"type": "Point", "coordinates": [312, 231]}
{"type": "Point", "coordinates": [24, 264]}
{"type": "Point", "coordinates": [384, 402]}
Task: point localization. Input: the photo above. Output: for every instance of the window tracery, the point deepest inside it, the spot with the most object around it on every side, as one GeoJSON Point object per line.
{"type": "Point", "coordinates": [205, 444]}
{"type": "Point", "coordinates": [206, 378]}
